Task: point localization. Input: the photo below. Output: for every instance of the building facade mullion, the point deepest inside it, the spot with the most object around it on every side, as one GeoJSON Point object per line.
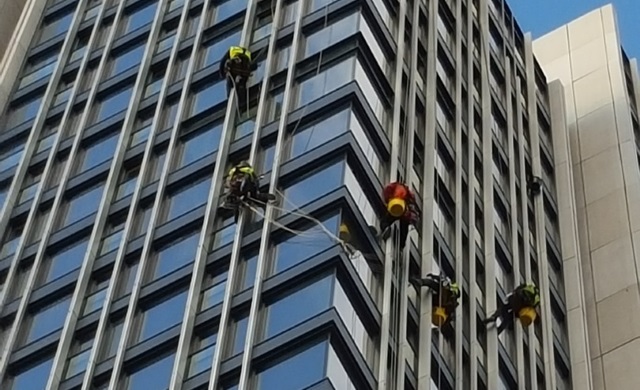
{"type": "Point", "coordinates": [253, 321]}
{"type": "Point", "coordinates": [77, 300]}
{"type": "Point", "coordinates": [543, 277]}
{"type": "Point", "coordinates": [386, 326]}
{"type": "Point", "coordinates": [263, 251]}
{"type": "Point", "coordinates": [471, 204]}
{"type": "Point", "coordinates": [410, 131]}
{"type": "Point", "coordinates": [487, 186]}
{"type": "Point", "coordinates": [129, 326]}
{"type": "Point", "coordinates": [135, 198]}
{"type": "Point", "coordinates": [428, 230]}
{"type": "Point", "coordinates": [17, 184]}
{"type": "Point", "coordinates": [22, 169]}
{"type": "Point", "coordinates": [513, 211]}
{"type": "Point", "coordinates": [458, 217]}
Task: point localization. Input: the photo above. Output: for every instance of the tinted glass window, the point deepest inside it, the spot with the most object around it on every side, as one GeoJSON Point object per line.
{"type": "Point", "coordinates": [229, 8]}
{"type": "Point", "coordinates": [68, 260]}
{"type": "Point", "coordinates": [200, 144]}
{"type": "Point", "coordinates": [163, 316]}
{"type": "Point", "coordinates": [188, 199]}
{"type": "Point", "coordinates": [209, 97]}
{"type": "Point", "coordinates": [103, 150]}
{"type": "Point", "coordinates": [154, 376]}
{"type": "Point", "coordinates": [34, 378]}
{"type": "Point", "coordinates": [297, 372]}
{"type": "Point", "coordinates": [141, 17]}
{"type": "Point", "coordinates": [83, 205]}
{"type": "Point", "coordinates": [314, 186]}
{"type": "Point", "coordinates": [127, 60]}
{"type": "Point", "coordinates": [48, 320]}
{"type": "Point", "coordinates": [298, 306]}
{"type": "Point", "coordinates": [177, 255]}
{"type": "Point", "coordinates": [216, 49]}
{"type": "Point", "coordinates": [114, 104]}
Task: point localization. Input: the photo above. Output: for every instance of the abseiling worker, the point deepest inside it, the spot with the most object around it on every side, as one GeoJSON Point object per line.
{"type": "Point", "coordinates": [401, 206]}
{"type": "Point", "coordinates": [445, 299]}
{"type": "Point", "coordinates": [236, 66]}
{"type": "Point", "coordinates": [522, 302]}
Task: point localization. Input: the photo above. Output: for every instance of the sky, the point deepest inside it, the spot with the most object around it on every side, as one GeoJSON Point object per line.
{"type": "Point", "coordinates": [542, 16]}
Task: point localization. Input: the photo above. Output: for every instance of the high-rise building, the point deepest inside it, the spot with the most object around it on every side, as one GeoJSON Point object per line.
{"type": "Point", "coordinates": [120, 271]}
{"type": "Point", "coordinates": [601, 91]}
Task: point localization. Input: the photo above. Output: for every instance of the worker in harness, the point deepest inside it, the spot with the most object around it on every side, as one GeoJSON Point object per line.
{"type": "Point", "coordinates": [445, 299]}
{"type": "Point", "coordinates": [401, 206]}
{"type": "Point", "coordinates": [243, 185]}
{"type": "Point", "coordinates": [236, 66]}
{"type": "Point", "coordinates": [522, 302]}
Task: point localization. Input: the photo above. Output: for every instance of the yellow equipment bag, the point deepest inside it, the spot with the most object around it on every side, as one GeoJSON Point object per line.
{"type": "Point", "coordinates": [527, 315]}
{"type": "Point", "coordinates": [438, 316]}
{"type": "Point", "coordinates": [396, 207]}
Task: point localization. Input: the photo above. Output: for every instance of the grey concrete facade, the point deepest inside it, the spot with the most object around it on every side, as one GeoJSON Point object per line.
{"type": "Point", "coordinates": [18, 22]}
{"type": "Point", "coordinates": [602, 173]}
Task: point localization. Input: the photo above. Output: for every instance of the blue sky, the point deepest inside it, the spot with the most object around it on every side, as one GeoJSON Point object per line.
{"type": "Point", "coordinates": [542, 16]}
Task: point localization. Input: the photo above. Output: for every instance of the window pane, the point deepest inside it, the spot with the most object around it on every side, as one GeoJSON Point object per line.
{"type": "Point", "coordinates": [48, 320]}
{"type": "Point", "coordinates": [176, 256]}
{"type": "Point", "coordinates": [77, 364]}
{"type": "Point", "coordinates": [34, 378]}
{"type": "Point", "coordinates": [314, 186]}
{"type": "Point", "coordinates": [319, 133]}
{"type": "Point", "coordinates": [55, 27]}
{"type": "Point", "coordinates": [229, 8]}
{"type": "Point", "coordinates": [99, 152]}
{"type": "Point", "coordinates": [299, 248]}
{"type": "Point", "coordinates": [24, 113]}
{"type": "Point", "coordinates": [83, 205]}
{"type": "Point", "coordinates": [325, 82]}
{"type": "Point", "coordinates": [70, 259]}
{"type": "Point", "coordinates": [298, 307]}
{"type": "Point", "coordinates": [127, 60]}
{"type": "Point", "coordinates": [297, 372]}
{"type": "Point", "coordinates": [328, 36]}
{"type": "Point", "coordinates": [240, 333]}
{"type": "Point", "coordinates": [200, 144]}
{"type": "Point", "coordinates": [155, 376]}
{"type": "Point", "coordinates": [188, 199]}
{"type": "Point", "coordinates": [114, 104]}
{"type": "Point", "coordinates": [209, 97]}
{"type": "Point", "coordinates": [163, 316]}
{"type": "Point", "coordinates": [141, 17]}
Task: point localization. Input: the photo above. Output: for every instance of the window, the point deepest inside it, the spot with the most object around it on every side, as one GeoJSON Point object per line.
{"type": "Point", "coordinates": [113, 104]}
{"type": "Point", "coordinates": [296, 372]}
{"type": "Point", "coordinates": [332, 34]}
{"type": "Point", "coordinates": [33, 378]}
{"type": "Point", "coordinates": [141, 17]}
{"type": "Point", "coordinates": [101, 151]}
{"type": "Point", "coordinates": [228, 8]}
{"type": "Point", "coordinates": [313, 186]}
{"type": "Point", "coordinates": [175, 256]}
{"type": "Point", "coordinates": [200, 143]}
{"type": "Point", "coordinates": [11, 157]}
{"type": "Point", "coordinates": [77, 363]}
{"type": "Point", "coordinates": [154, 83]}
{"type": "Point", "coordinates": [47, 320]}
{"type": "Point", "coordinates": [128, 182]}
{"type": "Point", "coordinates": [237, 335]}
{"type": "Point", "coordinates": [319, 133]}
{"type": "Point", "coordinates": [299, 248]}
{"type": "Point", "coordinates": [166, 40]}
{"type": "Point", "coordinates": [23, 113]}
{"type": "Point", "coordinates": [202, 359]}
{"type": "Point", "coordinates": [188, 199]}
{"type": "Point", "coordinates": [325, 82]}
{"type": "Point", "coordinates": [82, 206]}
{"type": "Point", "coordinates": [11, 241]}
{"type": "Point", "coordinates": [113, 236]}
{"type": "Point", "coordinates": [298, 307]}
{"type": "Point", "coordinates": [209, 97]}
{"type": "Point", "coordinates": [53, 28]}
{"type": "Point", "coordinates": [98, 292]}
{"type": "Point", "coordinates": [65, 261]}
{"type": "Point", "coordinates": [247, 272]}
{"type": "Point", "coordinates": [39, 70]}
{"type": "Point", "coordinates": [126, 60]}
{"type": "Point", "coordinates": [165, 315]}
{"type": "Point", "coordinates": [214, 295]}
{"type": "Point", "coordinates": [154, 376]}
{"type": "Point", "coordinates": [216, 49]}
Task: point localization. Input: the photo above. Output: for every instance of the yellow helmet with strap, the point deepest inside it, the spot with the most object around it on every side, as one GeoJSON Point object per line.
{"type": "Point", "coordinates": [235, 51]}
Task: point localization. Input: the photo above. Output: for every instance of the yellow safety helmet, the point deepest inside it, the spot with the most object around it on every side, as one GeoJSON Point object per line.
{"type": "Point", "coordinates": [235, 51]}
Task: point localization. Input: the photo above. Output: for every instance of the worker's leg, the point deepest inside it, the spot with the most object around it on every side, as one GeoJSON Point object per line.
{"type": "Point", "coordinates": [498, 313]}
{"type": "Point", "coordinates": [507, 320]}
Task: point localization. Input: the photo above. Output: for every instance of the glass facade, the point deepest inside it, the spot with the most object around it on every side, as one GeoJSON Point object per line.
{"type": "Point", "coordinates": [119, 271]}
